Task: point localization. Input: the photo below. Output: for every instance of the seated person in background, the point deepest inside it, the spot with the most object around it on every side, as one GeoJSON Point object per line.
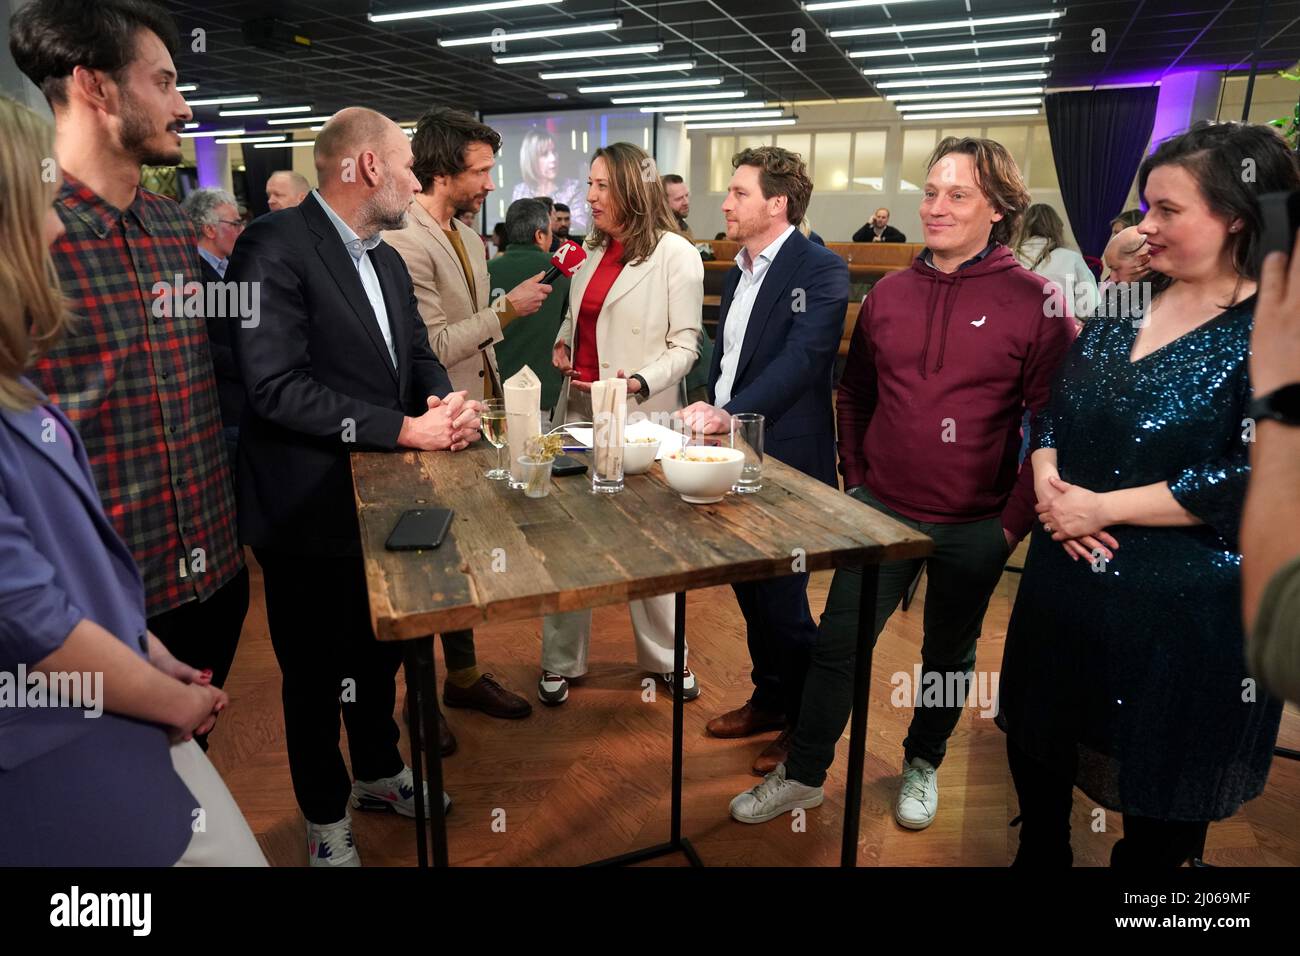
{"type": "Point", "coordinates": [1270, 549]}
{"type": "Point", "coordinates": [879, 229]}
{"type": "Point", "coordinates": [528, 340]}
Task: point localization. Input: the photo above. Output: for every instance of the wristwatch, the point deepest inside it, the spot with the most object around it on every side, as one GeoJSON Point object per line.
{"type": "Point", "coordinates": [642, 395]}
{"type": "Point", "coordinates": [1282, 405]}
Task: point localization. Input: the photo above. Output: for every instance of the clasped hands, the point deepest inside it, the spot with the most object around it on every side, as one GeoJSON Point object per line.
{"type": "Point", "coordinates": [560, 359]}
{"type": "Point", "coordinates": [1076, 517]}
{"type": "Point", "coordinates": [204, 702]}
{"type": "Point", "coordinates": [449, 423]}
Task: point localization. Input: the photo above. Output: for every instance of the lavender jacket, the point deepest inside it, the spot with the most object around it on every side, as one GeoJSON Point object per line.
{"type": "Point", "coordinates": [74, 791]}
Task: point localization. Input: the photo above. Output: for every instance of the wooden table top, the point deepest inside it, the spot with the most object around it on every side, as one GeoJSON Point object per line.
{"type": "Point", "coordinates": [510, 557]}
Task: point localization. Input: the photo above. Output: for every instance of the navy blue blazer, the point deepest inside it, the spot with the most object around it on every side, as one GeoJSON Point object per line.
{"type": "Point", "coordinates": [75, 790]}
{"type": "Point", "coordinates": [788, 354]}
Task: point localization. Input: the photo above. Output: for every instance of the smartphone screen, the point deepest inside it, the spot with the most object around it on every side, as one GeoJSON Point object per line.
{"type": "Point", "coordinates": [420, 530]}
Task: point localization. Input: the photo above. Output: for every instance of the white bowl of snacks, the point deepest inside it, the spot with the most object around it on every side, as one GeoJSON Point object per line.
{"type": "Point", "coordinates": [639, 454]}
{"type": "Point", "coordinates": [702, 474]}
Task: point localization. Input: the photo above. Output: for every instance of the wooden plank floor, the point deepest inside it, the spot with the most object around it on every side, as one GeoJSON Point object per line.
{"type": "Point", "coordinates": [590, 779]}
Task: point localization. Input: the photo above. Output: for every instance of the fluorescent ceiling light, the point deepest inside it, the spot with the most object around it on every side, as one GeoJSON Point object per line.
{"type": "Point", "coordinates": [214, 132]}
{"type": "Point", "coordinates": [596, 26]}
{"type": "Point", "coordinates": [696, 117]}
{"type": "Point", "coordinates": [969, 23]}
{"type": "Point", "coordinates": [930, 116]}
{"type": "Point", "coordinates": [958, 67]}
{"type": "Point", "coordinates": [626, 49]}
{"type": "Point", "coordinates": [187, 87]}
{"type": "Point", "coordinates": [222, 100]}
{"type": "Point", "coordinates": [191, 125]}
{"type": "Point", "coordinates": [254, 139]}
{"type": "Point", "coordinates": [296, 120]}
{"type": "Point", "coordinates": [455, 9]}
{"type": "Point", "coordinates": [266, 111]}
{"type": "Point", "coordinates": [291, 143]}
{"type": "Point", "coordinates": [704, 107]}
{"type": "Point", "coordinates": [975, 45]}
{"type": "Point", "coordinates": [617, 70]}
{"type": "Point", "coordinates": [967, 104]}
{"type": "Point", "coordinates": [652, 85]}
{"type": "Point", "coordinates": [848, 4]}
{"type": "Point", "coordinates": [776, 122]}
{"type": "Point", "coordinates": [960, 94]}
{"type": "Point", "coordinates": [680, 97]}
{"type": "Point", "coordinates": [961, 80]}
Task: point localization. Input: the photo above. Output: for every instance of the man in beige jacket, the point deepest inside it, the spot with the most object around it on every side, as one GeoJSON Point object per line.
{"type": "Point", "coordinates": [454, 156]}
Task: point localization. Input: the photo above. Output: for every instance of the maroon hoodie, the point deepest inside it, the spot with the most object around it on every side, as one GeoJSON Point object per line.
{"type": "Point", "coordinates": [940, 370]}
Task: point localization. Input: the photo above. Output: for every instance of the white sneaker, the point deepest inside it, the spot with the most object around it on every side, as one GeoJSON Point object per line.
{"type": "Point", "coordinates": [392, 793]}
{"type": "Point", "coordinates": [690, 686]}
{"type": "Point", "coordinates": [332, 844]}
{"type": "Point", "coordinates": [773, 797]}
{"type": "Point", "coordinates": [918, 797]}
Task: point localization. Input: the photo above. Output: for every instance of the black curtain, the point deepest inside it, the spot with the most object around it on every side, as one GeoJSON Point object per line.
{"type": "Point", "coordinates": [1098, 139]}
{"type": "Point", "coordinates": [259, 164]}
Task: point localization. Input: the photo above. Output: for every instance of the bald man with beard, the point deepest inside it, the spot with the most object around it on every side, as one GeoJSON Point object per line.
{"type": "Point", "coordinates": [336, 361]}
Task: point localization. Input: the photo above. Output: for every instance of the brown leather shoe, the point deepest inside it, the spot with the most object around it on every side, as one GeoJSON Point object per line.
{"type": "Point", "coordinates": [446, 740]}
{"type": "Point", "coordinates": [744, 722]}
{"type": "Point", "coordinates": [773, 755]}
{"type": "Point", "coordinates": [488, 696]}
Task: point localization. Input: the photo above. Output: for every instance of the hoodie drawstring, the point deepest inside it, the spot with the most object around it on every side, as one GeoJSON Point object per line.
{"type": "Point", "coordinates": [929, 324]}
{"type": "Point", "coordinates": [949, 301]}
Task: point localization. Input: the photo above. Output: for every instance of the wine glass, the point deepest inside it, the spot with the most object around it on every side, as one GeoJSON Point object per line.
{"type": "Point", "coordinates": [493, 419]}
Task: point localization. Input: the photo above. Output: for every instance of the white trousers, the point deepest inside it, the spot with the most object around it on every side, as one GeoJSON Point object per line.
{"type": "Point", "coordinates": [221, 835]}
{"type": "Point", "coordinates": [567, 636]}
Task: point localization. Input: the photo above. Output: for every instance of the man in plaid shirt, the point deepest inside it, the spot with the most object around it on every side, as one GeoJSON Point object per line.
{"type": "Point", "coordinates": [133, 371]}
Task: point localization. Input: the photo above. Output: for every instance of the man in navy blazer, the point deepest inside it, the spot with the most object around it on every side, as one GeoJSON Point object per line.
{"type": "Point", "coordinates": [781, 318]}
{"type": "Point", "coordinates": [338, 360]}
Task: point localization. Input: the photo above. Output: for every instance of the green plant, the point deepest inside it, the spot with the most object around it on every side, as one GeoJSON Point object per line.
{"type": "Point", "coordinates": [1290, 125]}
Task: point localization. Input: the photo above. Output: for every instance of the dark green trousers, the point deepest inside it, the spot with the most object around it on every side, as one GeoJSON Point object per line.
{"type": "Point", "coordinates": [963, 571]}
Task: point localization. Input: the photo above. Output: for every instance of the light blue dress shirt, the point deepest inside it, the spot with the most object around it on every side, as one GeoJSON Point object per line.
{"type": "Point", "coordinates": [742, 303]}
{"type": "Point", "coordinates": [218, 264]}
{"type": "Point", "coordinates": [357, 249]}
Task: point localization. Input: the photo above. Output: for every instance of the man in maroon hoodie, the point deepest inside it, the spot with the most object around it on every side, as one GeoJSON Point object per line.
{"type": "Point", "coordinates": [945, 358]}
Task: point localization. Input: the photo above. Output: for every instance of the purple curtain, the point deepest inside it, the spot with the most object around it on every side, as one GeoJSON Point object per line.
{"type": "Point", "coordinates": [1098, 140]}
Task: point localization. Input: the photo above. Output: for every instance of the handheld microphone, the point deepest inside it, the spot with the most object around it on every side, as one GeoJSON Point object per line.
{"type": "Point", "coordinates": [565, 262]}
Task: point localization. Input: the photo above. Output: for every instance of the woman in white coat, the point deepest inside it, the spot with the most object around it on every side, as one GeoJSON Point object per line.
{"type": "Point", "coordinates": [634, 313]}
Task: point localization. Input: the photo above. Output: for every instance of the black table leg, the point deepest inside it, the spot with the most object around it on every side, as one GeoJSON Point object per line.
{"type": "Point", "coordinates": [858, 722]}
{"type": "Point", "coordinates": [676, 842]}
{"type": "Point", "coordinates": [422, 694]}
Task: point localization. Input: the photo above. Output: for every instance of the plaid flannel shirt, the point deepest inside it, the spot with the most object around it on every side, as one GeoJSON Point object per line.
{"type": "Point", "coordinates": [140, 389]}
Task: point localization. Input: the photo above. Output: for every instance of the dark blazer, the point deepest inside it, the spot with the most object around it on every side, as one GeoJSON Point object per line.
{"type": "Point", "coordinates": [787, 356]}
{"type": "Point", "coordinates": [230, 389]}
{"type": "Point", "coordinates": [318, 378]}
{"type": "Point", "coordinates": [867, 234]}
{"type": "Point", "coordinates": [74, 790]}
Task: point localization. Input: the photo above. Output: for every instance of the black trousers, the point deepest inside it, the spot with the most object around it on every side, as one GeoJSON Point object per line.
{"type": "Point", "coordinates": [331, 664]}
{"type": "Point", "coordinates": [205, 634]}
{"type": "Point", "coordinates": [1046, 796]}
{"type": "Point", "coordinates": [781, 632]}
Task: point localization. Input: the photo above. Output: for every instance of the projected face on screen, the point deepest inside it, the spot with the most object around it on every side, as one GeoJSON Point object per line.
{"type": "Point", "coordinates": [550, 154]}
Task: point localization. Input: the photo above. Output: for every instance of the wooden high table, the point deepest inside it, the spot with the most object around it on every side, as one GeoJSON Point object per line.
{"type": "Point", "coordinates": [509, 557]}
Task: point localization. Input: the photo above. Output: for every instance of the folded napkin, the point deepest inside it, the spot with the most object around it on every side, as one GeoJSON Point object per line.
{"type": "Point", "coordinates": [608, 417]}
{"type": "Point", "coordinates": [523, 398]}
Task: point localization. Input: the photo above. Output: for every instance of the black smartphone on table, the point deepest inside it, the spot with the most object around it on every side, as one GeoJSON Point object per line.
{"type": "Point", "coordinates": [567, 465]}
{"type": "Point", "coordinates": [421, 529]}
